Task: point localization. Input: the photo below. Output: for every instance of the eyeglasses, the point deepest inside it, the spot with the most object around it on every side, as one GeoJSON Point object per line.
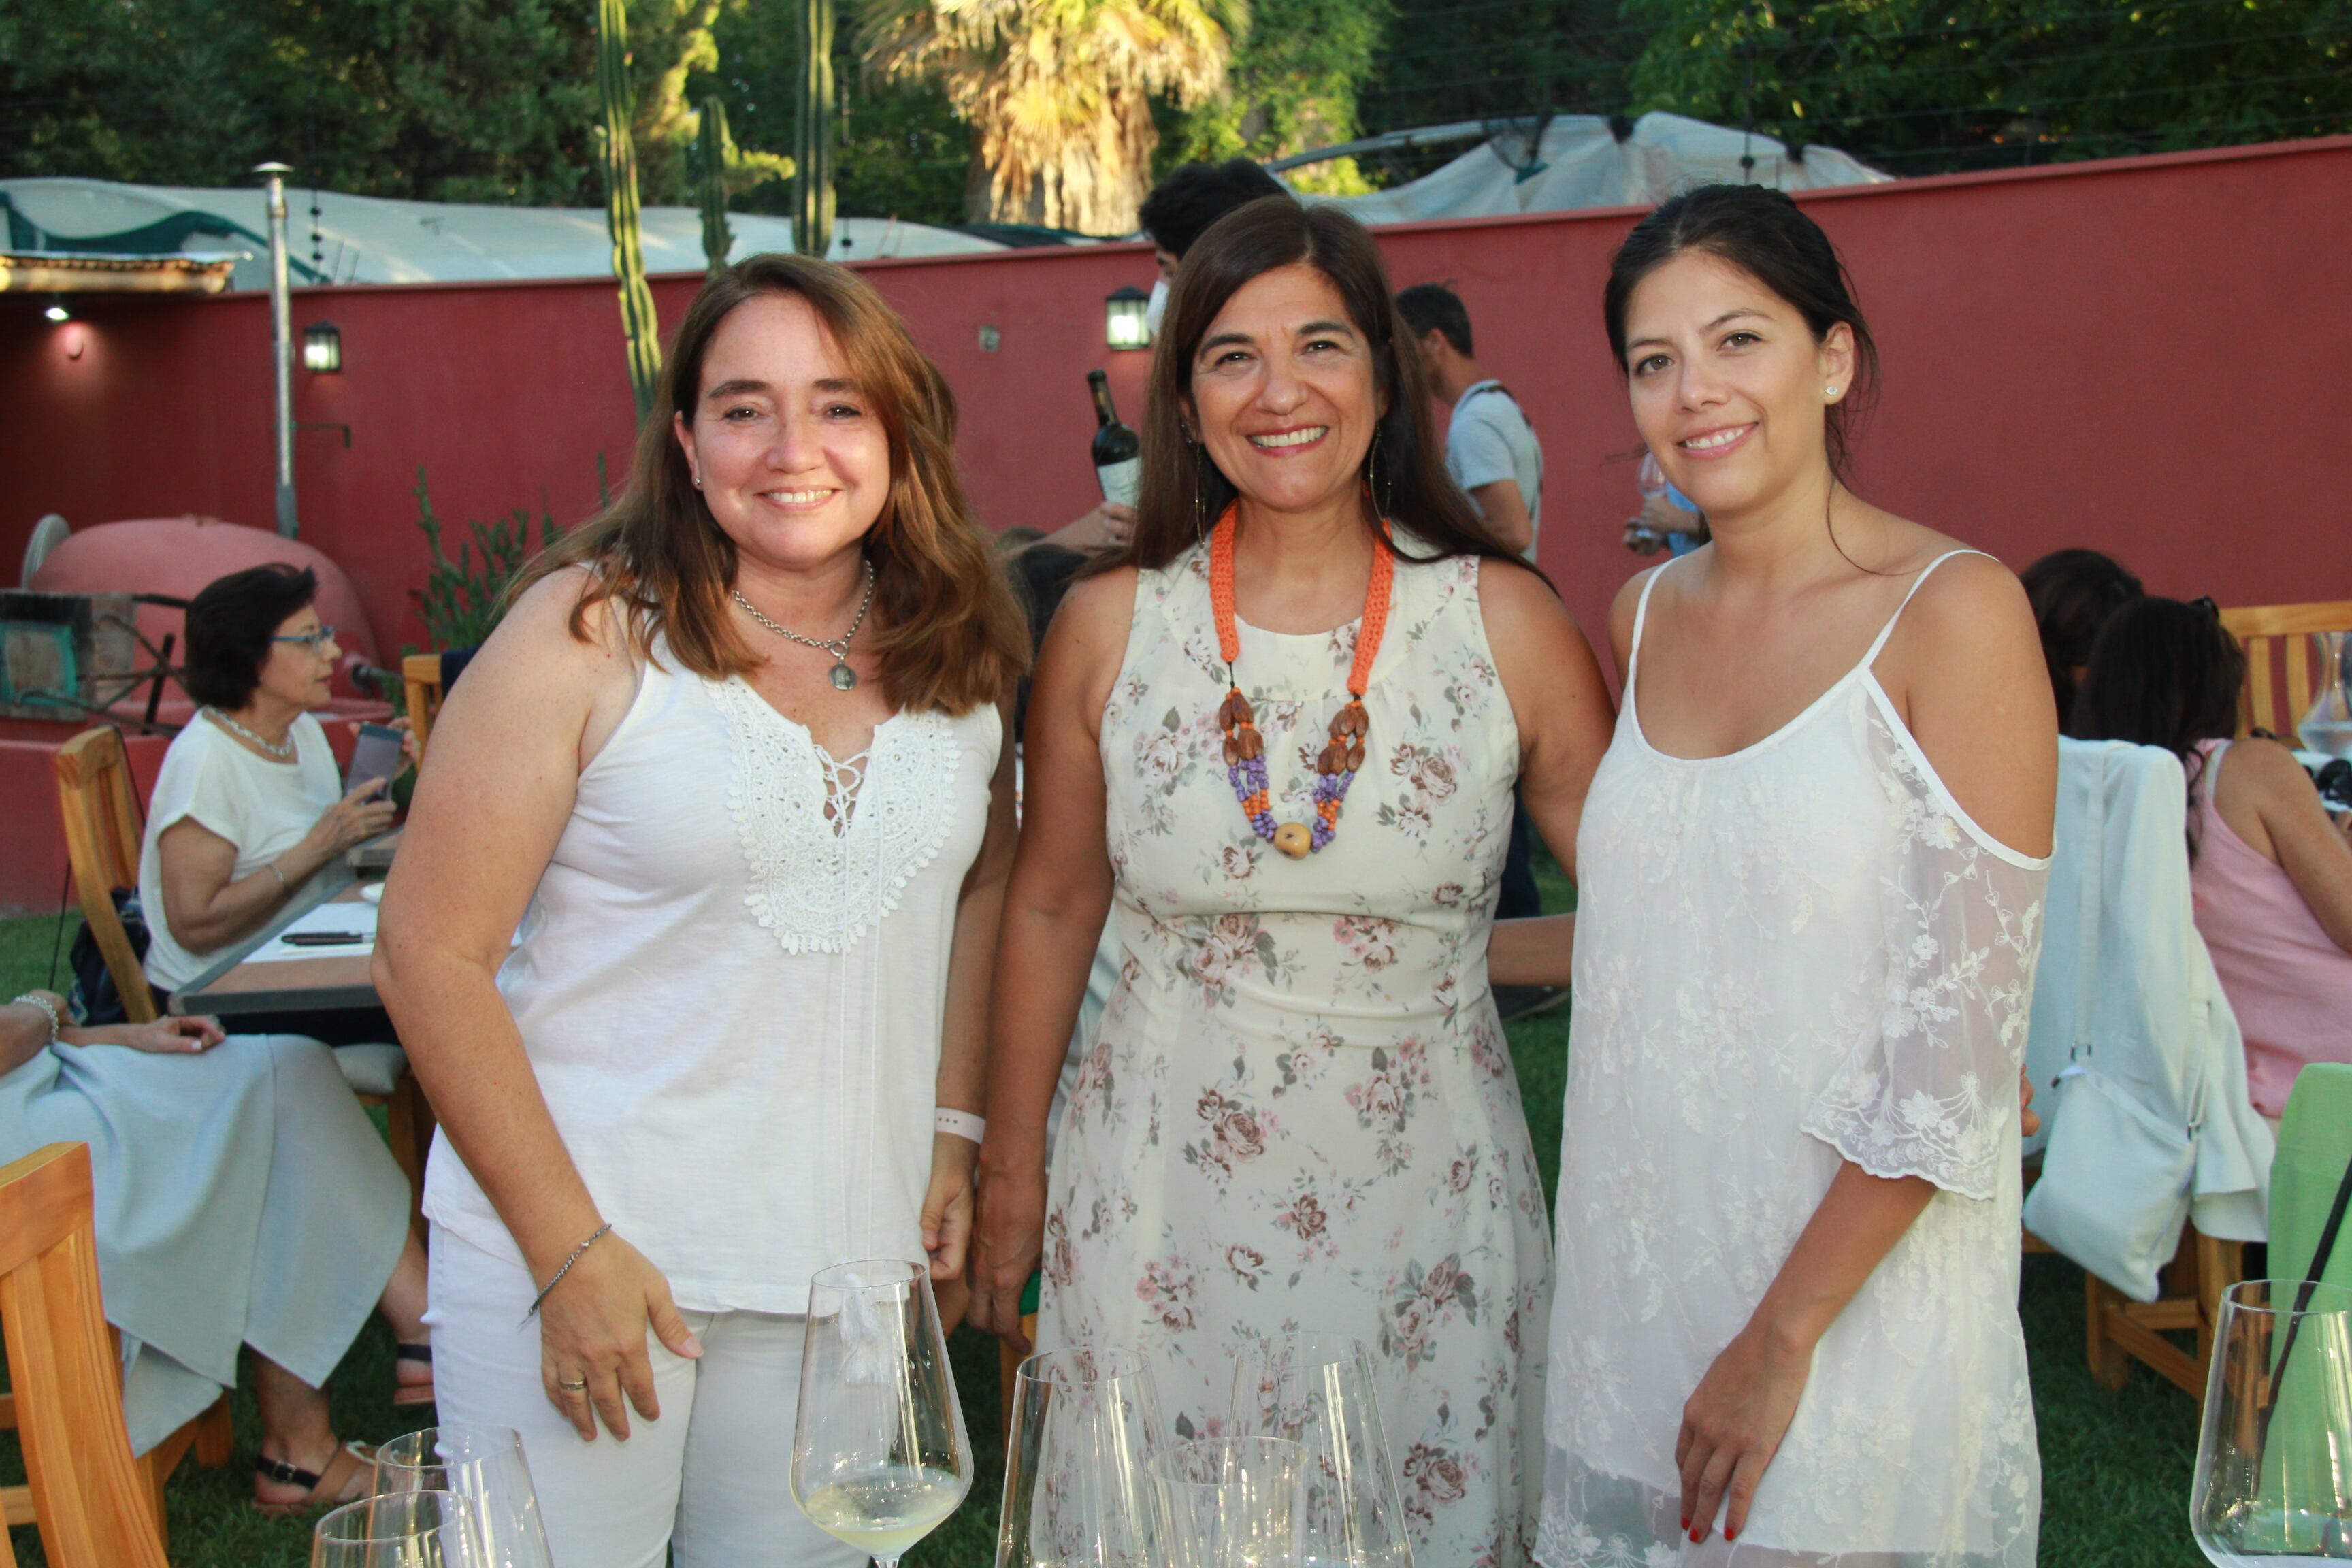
{"type": "Point", "coordinates": [312, 640]}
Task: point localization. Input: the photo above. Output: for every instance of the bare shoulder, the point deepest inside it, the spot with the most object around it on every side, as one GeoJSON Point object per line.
{"type": "Point", "coordinates": [1087, 644]}
{"type": "Point", "coordinates": [2265, 769]}
{"type": "Point", "coordinates": [1518, 603]}
{"type": "Point", "coordinates": [1970, 603]}
{"type": "Point", "coordinates": [1624, 607]}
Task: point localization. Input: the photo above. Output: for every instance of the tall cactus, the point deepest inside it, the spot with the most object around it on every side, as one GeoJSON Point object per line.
{"type": "Point", "coordinates": [710, 182]}
{"type": "Point", "coordinates": [620, 151]}
{"type": "Point", "coordinates": [812, 132]}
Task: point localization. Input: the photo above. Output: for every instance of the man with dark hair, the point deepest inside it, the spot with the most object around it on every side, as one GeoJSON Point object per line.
{"type": "Point", "coordinates": [1181, 208]}
{"type": "Point", "coordinates": [1490, 448]}
{"type": "Point", "coordinates": [1491, 451]}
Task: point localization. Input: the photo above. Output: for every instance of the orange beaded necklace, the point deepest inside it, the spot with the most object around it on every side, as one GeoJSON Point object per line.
{"type": "Point", "coordinates": [1335, 769]}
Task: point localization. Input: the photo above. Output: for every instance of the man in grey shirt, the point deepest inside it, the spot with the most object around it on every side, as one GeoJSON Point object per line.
{"type": "Point", "coordinates": [1490, 449]}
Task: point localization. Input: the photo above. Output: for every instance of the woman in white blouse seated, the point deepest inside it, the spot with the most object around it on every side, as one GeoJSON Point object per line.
{"type": "Point", "coordinates": [734, 764]}
{"type": "Point", "coordinates": [249, 804]}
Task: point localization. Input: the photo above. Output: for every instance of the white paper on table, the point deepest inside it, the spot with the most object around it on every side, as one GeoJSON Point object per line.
{"type": "Point", "coordinates": [342, 915]}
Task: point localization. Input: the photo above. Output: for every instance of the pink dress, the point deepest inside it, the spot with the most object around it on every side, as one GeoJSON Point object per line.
{"type": "Point", "coordinates": [2289, 984]}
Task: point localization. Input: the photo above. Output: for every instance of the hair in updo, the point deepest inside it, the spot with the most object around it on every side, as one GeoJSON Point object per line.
{"type": "Point", "coordinates": [1765, 233]}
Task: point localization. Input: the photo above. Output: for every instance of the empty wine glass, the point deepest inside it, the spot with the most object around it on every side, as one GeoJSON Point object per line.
{"type": "Point", "coordinates": [1229, 1502]}
{"type": "Point", "coordinates": [2273, 1486]}
{"type": "Point", "coordinates": [1077, 1489]}
{"type": "Point", "coordinates": [879, 1452]}
{"type": "Point", "coordinates": [485, 1466]}
{"type": "Point", "coordinates": [408, 1530]}
{"type": "Point", "coordinates": [1317, 1390]}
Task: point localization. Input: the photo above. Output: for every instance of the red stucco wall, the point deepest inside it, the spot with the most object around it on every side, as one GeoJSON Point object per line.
{"type": "Point", "coordinates": [2145, 356]}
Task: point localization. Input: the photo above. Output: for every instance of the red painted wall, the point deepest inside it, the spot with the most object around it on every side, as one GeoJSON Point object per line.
{"type": "Point", "coordinates": [2145, 356]}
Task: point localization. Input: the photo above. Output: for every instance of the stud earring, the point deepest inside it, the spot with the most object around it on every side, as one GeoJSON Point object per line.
{"type": "Point", "coordinates": [1827, 391]}
{"type": "Point", "coordinates": [698, 478]}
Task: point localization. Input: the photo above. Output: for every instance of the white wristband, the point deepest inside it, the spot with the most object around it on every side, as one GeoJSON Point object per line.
{"type": "Point", "coordinates": [960, 1124]}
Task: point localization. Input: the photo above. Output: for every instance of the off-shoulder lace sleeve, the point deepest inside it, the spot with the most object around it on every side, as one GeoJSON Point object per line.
{"type": "Point", "coordinates": [1931, 1089]}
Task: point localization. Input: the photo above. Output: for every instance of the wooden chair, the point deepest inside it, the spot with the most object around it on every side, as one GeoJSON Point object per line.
{"type": "Point", "coordinates": [2281, 631]}
{"type": "Point", "coordinates": [95, 1506]}
{"type": "Point", "coordinates": [421, 672]}
{"type": "Point", "coordinates": [2118, 1331]}
{"type": "Point", "coordinates": [100, 806]}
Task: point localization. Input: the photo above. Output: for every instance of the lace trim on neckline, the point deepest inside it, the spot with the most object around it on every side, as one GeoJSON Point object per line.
{"type": "Point", "coordinates": [830, 858]}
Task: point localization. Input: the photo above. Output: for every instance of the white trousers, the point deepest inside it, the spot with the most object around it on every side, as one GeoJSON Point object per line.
{"type": "Point", "coordinates": [709, 1482]}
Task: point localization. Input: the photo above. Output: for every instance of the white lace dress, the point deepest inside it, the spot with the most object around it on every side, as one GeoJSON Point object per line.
{"type": "Point", "coordinates": [1798, 954]}
{"type": "Point", "coordinates": [1300, 1112]}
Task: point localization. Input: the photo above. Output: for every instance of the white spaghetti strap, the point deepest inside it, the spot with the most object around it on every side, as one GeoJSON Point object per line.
{"type": "Point", "coordinates": [1888, 629]}
{"type": "Point", "coordinates": [1641, 615]}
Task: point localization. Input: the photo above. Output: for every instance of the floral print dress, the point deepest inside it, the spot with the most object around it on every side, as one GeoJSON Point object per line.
{"type": "Point", "coordinates": [1300, 1112]}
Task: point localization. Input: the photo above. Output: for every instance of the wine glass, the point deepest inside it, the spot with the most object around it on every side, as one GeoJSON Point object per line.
{"type": "Point", "coordinates": [406, 1529]}
{"type": "Point", "coordinates": [485, 1466]}
{"type": "Point", "coordinates": [1317, 1390]}
{"type": "Point", "coordinates": [879, 1452]}
{"type": "Point", "coordinates": [1230, 1503]}
{"type": "Point", "coordinates": [1077, 1492]}
{"type": "Point", "coordinates": [2273, 1484]}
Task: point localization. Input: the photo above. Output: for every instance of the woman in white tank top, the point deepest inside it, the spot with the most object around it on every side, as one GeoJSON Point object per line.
{"type": "Point", "coordinates": [690, 937]}
{"type": "Point", "coordinates": [1811, 866]}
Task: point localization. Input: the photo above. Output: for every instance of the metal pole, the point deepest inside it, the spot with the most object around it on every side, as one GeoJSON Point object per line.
{"type": "Point", "coordinates": [281, 339]}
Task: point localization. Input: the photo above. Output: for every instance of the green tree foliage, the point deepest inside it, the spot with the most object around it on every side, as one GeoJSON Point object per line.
{"type": "Point", "coordinates": [1923, 85]}
{"type": "Point", "coordinates": [1291, 87]}
{"type": "Point", "coordinates": [1448, 60]}
{"type": "Point", "coordinates": [444, 99]}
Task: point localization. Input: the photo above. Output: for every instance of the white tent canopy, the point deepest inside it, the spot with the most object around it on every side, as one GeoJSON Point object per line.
{"type": "Point", "coordinates": [371, 239]}
{"type": "Point", "coordinates": [1579, 161]}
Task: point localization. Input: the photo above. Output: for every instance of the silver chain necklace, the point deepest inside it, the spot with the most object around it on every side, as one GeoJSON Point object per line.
{"type": "Point", "coordinates": [282, 750]}
{"type": "Point", "coordinates": [844, 677]}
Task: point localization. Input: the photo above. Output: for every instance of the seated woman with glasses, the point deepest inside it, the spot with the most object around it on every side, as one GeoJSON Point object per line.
{"type": "Point", "coordinates": [249, 804]}
{"type": "Point", "coordinates": [2271, 873]}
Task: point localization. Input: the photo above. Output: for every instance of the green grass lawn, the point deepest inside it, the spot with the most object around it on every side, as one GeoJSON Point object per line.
{"type": "Point", "coordinates": [2115, 1466]}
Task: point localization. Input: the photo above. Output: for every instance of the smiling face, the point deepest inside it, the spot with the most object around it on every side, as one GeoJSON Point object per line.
{"type": "Point", "coordinates": [791, 453]}
{"type": "Point", "coordinates": [1283, 391]}
{"type": "Point", "coordinates": [298, 674]}
{"type": "Point", "coordinates": [1729, 387]}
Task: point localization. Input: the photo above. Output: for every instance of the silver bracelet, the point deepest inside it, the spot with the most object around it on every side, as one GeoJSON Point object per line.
{"type": "Point", "coordinates": [56, 1025]}
{"type": "Point", "coordinates": [560, 1273]}
{"type": "Point", "coordinates": [271, 866]}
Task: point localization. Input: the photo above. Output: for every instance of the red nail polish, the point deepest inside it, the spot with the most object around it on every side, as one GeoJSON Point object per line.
{"type": "Point", "coordinates": [1685, 1522]}
{"type": "Point", "coordinates": [1730, 1533]}
{"type": "Point", "coordinates": [1694, 1535]}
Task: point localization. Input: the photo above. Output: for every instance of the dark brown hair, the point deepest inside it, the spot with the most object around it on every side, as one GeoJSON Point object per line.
{"type": "Point", "coordinates": [2162, 674]}
{"type": "Point", "coordinates": [1765, 234]}
{"type": "Point", "coordinates": [2073, 593]}
{"type": "Point", "coordinates": [947, 632]}
{"type": "Point", "coordinates": [1183, 490]}
{"type": "Point", "coordinates": [230, 627]}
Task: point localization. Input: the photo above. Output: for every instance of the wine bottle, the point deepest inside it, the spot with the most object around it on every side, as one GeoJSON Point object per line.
{"type": "Point", "coordinates": [1117, 453]}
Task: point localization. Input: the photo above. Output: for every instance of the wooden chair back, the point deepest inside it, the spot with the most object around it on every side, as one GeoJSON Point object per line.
{"type": "Point", "coordinates": [94, 1503]}
{"type": "Point", "coordinates": [100, 806]}
{"type": "Point", "coordinates": [421, 672]}
{"type": "Point", "coordinates": [2279, 635]}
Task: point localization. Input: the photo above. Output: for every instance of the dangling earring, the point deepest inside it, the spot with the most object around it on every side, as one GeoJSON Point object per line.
{"type": "Point", "coordinates": [1200, 494]}
{"type": "Point", "coordinates": [1371, 463]}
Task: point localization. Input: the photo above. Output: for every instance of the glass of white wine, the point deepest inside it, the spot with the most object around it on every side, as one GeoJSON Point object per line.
{"type": "Point", "coordinates": [2274, 1486]}
{"type": "Point", "coordinates": [408, 1530]}
{"type": "Point", "coordinates": [880, 1457]}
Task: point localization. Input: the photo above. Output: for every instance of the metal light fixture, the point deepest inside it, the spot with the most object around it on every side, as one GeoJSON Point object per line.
{"type": "Point", "coordinates": [322, 348]}
{"type": "Point", "coordinates": [1125, 324]}
{"type": "Point", "coordinates": [56, 309]}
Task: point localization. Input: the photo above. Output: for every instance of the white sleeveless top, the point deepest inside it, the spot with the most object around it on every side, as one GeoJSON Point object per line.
{"type": "Point", "coordinates": [1798, 954]}
{"type": "Point", "coordinates": [732, 1001]}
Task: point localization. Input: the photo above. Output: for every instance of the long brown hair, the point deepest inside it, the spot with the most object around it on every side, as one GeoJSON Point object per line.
{"type": "Point", "coordinates": [947, 632]}
{"type": "Point", "coordinates": [1183, 490]}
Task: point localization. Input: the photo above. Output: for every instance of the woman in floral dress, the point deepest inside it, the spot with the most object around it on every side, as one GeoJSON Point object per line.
{"type": "Point", "coordinates": [1300, 1112]}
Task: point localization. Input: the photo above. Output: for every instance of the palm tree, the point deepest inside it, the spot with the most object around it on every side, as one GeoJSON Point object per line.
{"type": "Point", "coordinates": [1058, 92]}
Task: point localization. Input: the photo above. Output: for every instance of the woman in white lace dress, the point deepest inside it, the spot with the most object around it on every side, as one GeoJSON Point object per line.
{"type": "Point", "coordinates": [1785, 1330]}
{"type": "Point", "coordinates": [735, 764]}
{"type": "Point", "coordinates": [1300, 1112]}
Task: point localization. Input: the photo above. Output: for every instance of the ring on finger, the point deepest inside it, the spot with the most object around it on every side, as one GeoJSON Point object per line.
{"type": "Point", "coordinates": [581, 1386]}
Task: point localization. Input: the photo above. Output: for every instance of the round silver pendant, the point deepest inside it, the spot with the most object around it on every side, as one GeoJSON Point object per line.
{"type": "Point", "coordinates": [844, 677]}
